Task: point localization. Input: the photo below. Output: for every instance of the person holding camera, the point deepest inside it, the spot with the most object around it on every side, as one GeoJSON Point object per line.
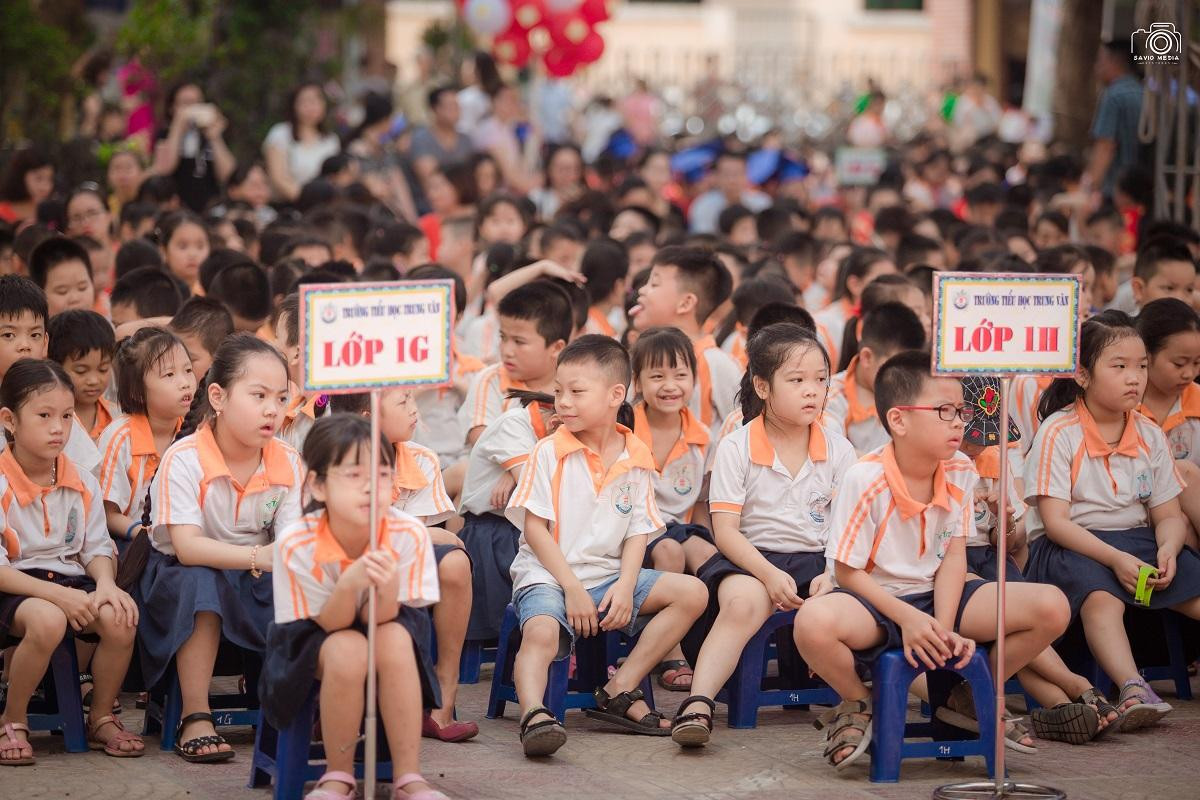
{"type": "Point", "coordinates": [191, 148]}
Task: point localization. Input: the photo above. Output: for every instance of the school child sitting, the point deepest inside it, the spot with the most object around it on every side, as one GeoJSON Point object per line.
{"type": "Point", "coordinates": [244, 289]}
{"type": "Point", "coordinates": [62, 269]}
{"type": "Point", "coordinates": [1104, 504]}
{"type": "Point", "coordinates": [686, 285]}
{"type": "Point", "coordinates": [535, 325]}
{"type": "Point", "coordinates": [664, 370]}
{"type": "Point", "coordinates": [23, 317]}
{"type": "Point", "coordinates": [155, 388]}
{"type": "Point", "coordinates": [417, 490]}
{"type": "Point", "coordinates": [201, 324]}
{"type": "Point", "coordinates": [493, 471]}
{"type": "Point", "coordinates": [323, 569]}
{"type": "Point", "coordinates": [83, 342]}
{"type": "Point", "coordinates": [605, 265]}
{"type": "Point", "coordinates": [1171, 331]}
{"type": "Point", "coordinates": [585, 506]}
{"type": "Point", "coordinates": [1164, 268]}
{"type": "Point", "coordinates": [144, 294]}
{"type": "Point", "coordinates": [1046, 678]}
{"type": "Point", "coordinates": [854, 273]}
{"type": "Point", "coordinates": [886, 330]}
{"type": "Point", "coordinates": [899, 527]}
{"type": "Point", "coordinates": [218, 496]}
{"type": "Point", "coordinates": [772, 484]}
{"type": "Point", "coordinates": [884, 289]}
{"type": "Point", "coordinates": [58, 565]}
{"type": "Point", "coordinates": [750, 295]}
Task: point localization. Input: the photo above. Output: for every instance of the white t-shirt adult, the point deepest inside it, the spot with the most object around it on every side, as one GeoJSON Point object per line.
{"type": "Point", "coordinates": [304, 159]}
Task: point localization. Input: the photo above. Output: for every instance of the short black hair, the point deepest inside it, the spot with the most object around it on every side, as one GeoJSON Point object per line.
{"type": "Point", "coordinates": [244, 289]}
{"type": "Point", "coordinates": [152, 292]}
{"type": "Point", "coordinates": [1106, 213]}
{"type": "Point", "coordinates": [900, 381]}
{"type": "Point", "coordinates": [436, 272]}
{"type": "Point", "coordinates": [663, 347]}
{"type": "Point", "coordinates": [892, 327]}
{"type": "Point", "coordinates": [207, 319]}
{"type": "Point", "coordinates": [794, 244]}
{"type": "Point", "coordinates": [18, 294]}
{"type": "Point", "coordinates": [289, 310]}
{"type": "Point", "coordinates": [773, 222]}
{"type": "Point", "coordinates": [700, 272]}
{"type": "Point", "coordinates": [914, 249]}
{"type": "Point", "coordinates": [435, 95]}
{"type": "Point", "coordinates": [135, 213]}
{"type": "Point", "coordinates": [218, 259]}
{"type": "Point", "coordinates": [986, 193]}
{"type": "Point", "coordinates": [546, 305]}
{"type": "Point", "coordinates": [1151, 254]}
{"type": "Point", "coordinates": [392, 238]}
{"type": "Point", "coordinates": [754, 293]}
{"type": "Point", "coordinates": [53, 252]}
{"type": "Point", "coordinates": [604, 263]}
{"type": "Point", "coordinates": [1055, 218]}
{"type": "Point", "coordinates": [350, 403]}
{"type": "Point", "coordinates": [137, 253]}
{"type": "Point", "coordinates": [604, 351]}
{"type": "Point", "coordinates": [780, 311]}
{"type": "Point", "coordinates": [893, 219]}
{"type": "Point", "coordinates": [731, 216]}
{"type": "Point", "coordinates": [76, 332]}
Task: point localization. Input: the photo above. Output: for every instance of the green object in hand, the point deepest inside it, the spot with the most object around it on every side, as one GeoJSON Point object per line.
{"type": "Point", "coordinates": [1142, 594]}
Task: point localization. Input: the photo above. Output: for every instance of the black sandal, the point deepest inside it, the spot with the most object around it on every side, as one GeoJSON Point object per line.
{"type": "Point", "coordinates": [1073, 723]}
{"type": "Point", "coordinates": [614, 710]}
{"type": "Point", "coordinates": [694, 728]}
{"type": "Point", "coordinates": [190, 750]}
{"type": "Point", "coordinates": [542, 738]}
{"type": "Point", "coordinates": [86, 677]}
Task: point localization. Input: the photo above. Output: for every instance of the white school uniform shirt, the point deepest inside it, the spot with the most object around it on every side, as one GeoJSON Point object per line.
{"type": "Point", "coordinates": [481, 336]}
{"type": "Point", "coordinates": [1024, 394]}
{"type": "Point", "coordinates": [439, 427]}
{"type": "Point", "coordinates": [298, 419]}
{"type": "Point", "coordinates": [308, 561]}
{"type": "Point", "coordinates": [779, 513]}
{"type": "Point", "coordinates": [503, 445]}
{"type": "Point", "coordinates": [59, 528]}
{"type": "Point", "coordinates": [486, 399]}
{"type": "Point", "coordinates": [900, 542]}
{"type": "Point", "coordinates": [678, 480]}
{"type": "Point", "coordinates": [1182, 425]}
{"type": "Point", "coordinates": [129, 463]}
{"type": "Point", "coordinates": [1110, 488]}
{"type": "Point", "coordinates": [80, 450]}
{"type": "Point", "coordinates": [417, 487]}
{"type": "Point", "coordinates": [987, 464]}
{"type": "Point", "coordinates": [193, 487]}
{"type": "Point", "coordinates": [733, 421]}
{"type": "Point", "coordinates": [612, 324]}
{"type": "Point", "coordinates": [831, 323]}
{"type": "Point", "coordinates": [857, 421]}
{"type": "Point", "coordinates": [718, 378]}
{"type": "Point", "coordinates": [590, 512]}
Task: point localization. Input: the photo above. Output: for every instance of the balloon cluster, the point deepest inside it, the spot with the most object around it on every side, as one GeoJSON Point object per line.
{"type": "Point", "coordinates": [562, 32]}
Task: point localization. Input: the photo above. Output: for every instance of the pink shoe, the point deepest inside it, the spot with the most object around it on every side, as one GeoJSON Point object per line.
{"type": "Point", "coordinates": [457, 731]}
{"type": "Point", "coordinates": [399, 783]}
{"type": "Point", "coordinates": [330, 794]}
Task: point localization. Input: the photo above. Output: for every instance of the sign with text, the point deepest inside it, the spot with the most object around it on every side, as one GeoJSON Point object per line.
{"type": "Point", "coordinates": [1005, 324]}
{"type": "Point", "coordinates": [355, 337]}
{"type": "Point", "coordinates": [859, 166]}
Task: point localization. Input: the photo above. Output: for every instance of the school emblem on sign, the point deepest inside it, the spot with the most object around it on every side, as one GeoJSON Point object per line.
{"type": "Point", "coordinates": [329, 313]}
{"type": "Point", "coordinates": [961, 300]}
{"type": "Point", "coordinates": [682, 481]}
{"type": "Point", "coordinates": [623, 499]}
{"type": "Point", "coordinates": [1143, 486]}
{"type": "Point", "coordinates": [72, 525]}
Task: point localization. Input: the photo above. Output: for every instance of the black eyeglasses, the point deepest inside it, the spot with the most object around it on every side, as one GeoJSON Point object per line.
{"type": "Point", "coordinates": [946, 412]}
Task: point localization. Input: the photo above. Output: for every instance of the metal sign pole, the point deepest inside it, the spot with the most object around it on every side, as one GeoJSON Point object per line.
{"type": "Point", "coordinates": [369, 721]}
{"type": "Point", "coordinates": [1000, 787]}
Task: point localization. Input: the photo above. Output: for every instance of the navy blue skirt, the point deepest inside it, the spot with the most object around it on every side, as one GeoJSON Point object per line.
{"type": "Point", "coordinates": [290, 663]}
{"type": "Point", "coordinates": [803, 567]}
{"type": "Point", "coordinates": [170, 595]}
{"type": "Point", "coordinates": [892, 636]}
{"type": "Point", "coordinates": [491, 542]}
{"type": "Point", "coordinates": [679, 532]}
{"type": "Point", "coordinates": [981, 562]}
{"type": "Point", "coordinates": [1078, 576]}
{"type": "Point", "coordinates": [10, 602]}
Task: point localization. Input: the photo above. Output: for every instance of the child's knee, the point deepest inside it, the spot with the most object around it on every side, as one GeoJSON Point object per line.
{"type": "Point", "coordinates": [814, 625]}
{"type": "Point", "coordinates": [45, 623]}
{"type": "Point", "coordinates": [1101, 604]}
{"type": "Point", "coordinates": [112, 630]}
{"type": "Point", "coordinates": [668, 556]}
{"type": "Point", "coordinates": [344, 657]}
{"type": "Point", "coordinates": [454, 571]}
{"type": "Point", "coordinates": [540, 634]}
{"type": "Point", "coordinates": [1052, 608]}
{"type": "Point", "coordinates": [692, 594]}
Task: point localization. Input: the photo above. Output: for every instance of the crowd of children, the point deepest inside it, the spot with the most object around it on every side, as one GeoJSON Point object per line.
{"type": "Point", "coordinates": [665, 434]}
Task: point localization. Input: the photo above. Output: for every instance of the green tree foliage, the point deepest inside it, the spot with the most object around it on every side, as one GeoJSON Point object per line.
{"type": "Point", "coordinates": [35, 71]}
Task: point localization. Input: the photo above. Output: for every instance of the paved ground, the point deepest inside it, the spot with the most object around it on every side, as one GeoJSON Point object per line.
{"type": "Point", "coordinates": [780, 759]}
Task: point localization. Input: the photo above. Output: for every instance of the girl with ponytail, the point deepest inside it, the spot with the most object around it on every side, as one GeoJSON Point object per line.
{"type": "Point", "coordinates": [220, 493]}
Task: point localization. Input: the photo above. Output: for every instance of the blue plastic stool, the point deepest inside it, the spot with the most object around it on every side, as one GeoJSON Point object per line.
{"type": "Point", "coordinates": [892, 676]}
{"type": "Point", "coordinates": [286, 757]}
{"type": "Point", "coordinates": [164, 703]}
{"type": "Point", "coordinates": [744, 693]}
{"type": "Point", "coordinates": [62, 683]}
{"type": "Point", "coordinates": [475, 654]}
{"type": "Point", "coordinates": [1175, 670]}
{"type": "Point", "coordinates": [593, 656]}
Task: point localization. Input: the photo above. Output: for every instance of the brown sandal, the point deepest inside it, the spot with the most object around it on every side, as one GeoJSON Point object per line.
{"type": "Point", "coordinates": [113, 746]}
{"type": "Point", "coordinates": [843, 730]}
{"type": "Point", "coordinates": [21, 746]}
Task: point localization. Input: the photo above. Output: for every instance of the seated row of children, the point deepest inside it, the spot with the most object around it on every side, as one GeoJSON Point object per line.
{"type": "Point", "coordinates": [198, 463]}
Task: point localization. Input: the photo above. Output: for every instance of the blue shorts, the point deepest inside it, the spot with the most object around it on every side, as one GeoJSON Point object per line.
{"type": "Point", "coordinates": [549, 600]}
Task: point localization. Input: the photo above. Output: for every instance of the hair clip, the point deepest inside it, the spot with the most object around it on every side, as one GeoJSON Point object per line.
{"type": "Point", "coordinates": [321, 401]}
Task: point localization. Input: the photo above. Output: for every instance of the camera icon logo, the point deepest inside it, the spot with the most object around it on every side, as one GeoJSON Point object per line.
{"type": "Point", "coordinates": [1161, 43]}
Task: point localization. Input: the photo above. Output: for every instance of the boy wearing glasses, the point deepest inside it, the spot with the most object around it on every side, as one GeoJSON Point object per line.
{"type": "Point", "coordinates": [899, 532]}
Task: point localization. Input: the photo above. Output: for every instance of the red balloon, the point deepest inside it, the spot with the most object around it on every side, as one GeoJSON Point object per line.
{"type": "Point", "coordinates": [512, 47]}
{"type": "Point", "coordinates": [560, 62]}
{"type": "Point", "coordinates": [528, 14]}
{"type": "Point", "coordinates": [591, 48]}
{"type": "Point", "coordinates": [568, 29]}
{"type": "Point", "coordinates": [595, 10]}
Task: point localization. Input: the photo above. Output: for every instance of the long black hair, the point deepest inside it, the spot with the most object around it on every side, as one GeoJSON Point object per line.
{"type": "Point", "coordinates": [1096, 335]}
{"type": "Point", "coordinates": [30, 376]}
{"type": "Point", "coordinates": [766, 352]}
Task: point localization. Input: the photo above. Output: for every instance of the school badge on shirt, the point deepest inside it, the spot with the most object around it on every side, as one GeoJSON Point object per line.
{"type": "Point", "coordinates": [943, 542]}
{"type": "Point", "coordinates": [268, 512]}
{"type": "Point", "coordinates": [682, 481]}
{"type": "Point", "coordinates": [1180, 449]}
{"type": "Point", "coordinates": [623, 499]}
{"type": "Point", "coordinates": [72, 525]}
{"type": "Point", "coordinates": [1143, 486]}
{"type": "Point", "coordinates": [818, 504]}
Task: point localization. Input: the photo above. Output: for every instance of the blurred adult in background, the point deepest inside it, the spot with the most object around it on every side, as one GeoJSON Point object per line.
{"type": "Point", "coordinates": [440, 143]}
{"type": "Point", "coordinates": [564, 181]}
{"type": "Point", "coordinates": [378, 161]}
{"type": "Point", "coordinates": [191, 148]}
{"type": "Point", "coordinates": [296, 148]}
{"type": "Point", "coordinates": [28, 181]}
{"type": "Point", "coordinates": [1115, 144]}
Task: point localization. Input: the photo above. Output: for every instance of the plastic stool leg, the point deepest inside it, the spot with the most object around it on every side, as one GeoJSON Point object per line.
{"type": "Point", "coordinates": [468, 665]}
{"type": "Point", "coordinates": [172, 711]}
{"type": "Point", "coordinates": [291, 755]}
{"type": "Point", "coordinates": [892, 678]}
{"type": "Point", "coordinates": [556, 688]}
{"type": "Point", "coordinates": [505, 656]}
{"type": "Point", "coordinates": [65, 669]}
{"type": "Point", "coordinates": [745, 684]}
{"type": "Point", "coordinates": [1175, 653]}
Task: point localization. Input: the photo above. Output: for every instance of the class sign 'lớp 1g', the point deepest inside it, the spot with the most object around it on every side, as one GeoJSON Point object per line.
{"type": "Point", "coordinates": [1005, 324]}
